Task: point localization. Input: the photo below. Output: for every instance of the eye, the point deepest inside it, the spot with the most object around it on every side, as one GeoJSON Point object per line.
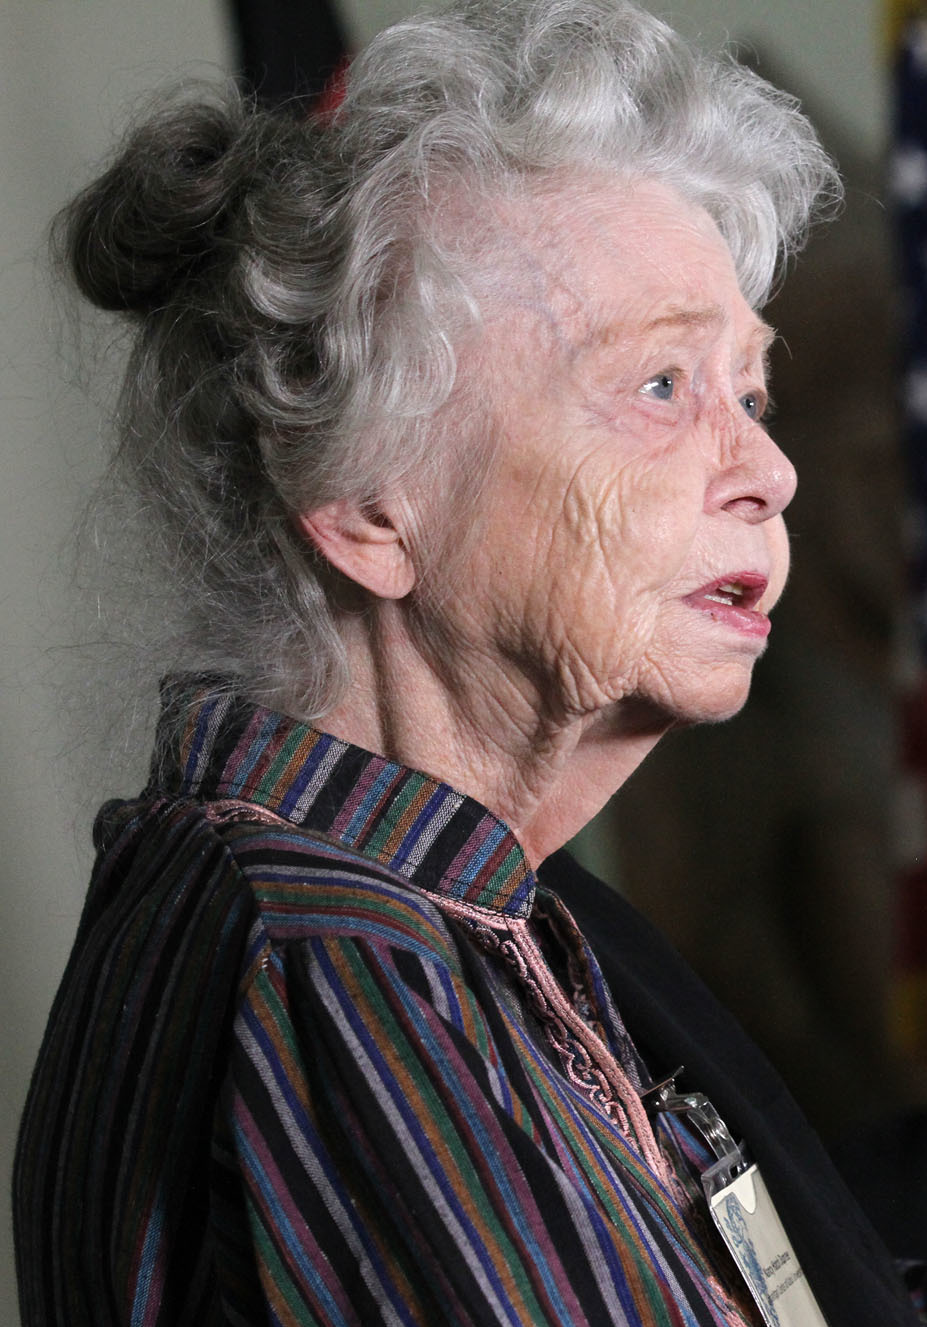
{"type": "Point", "coordinates": [754, 405]}
{"type": "Point", "coordinates": [663, 386]}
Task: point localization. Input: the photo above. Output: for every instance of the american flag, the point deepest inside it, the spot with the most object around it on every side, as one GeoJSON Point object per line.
{"type": "Point", "coordinates": [908, 180]}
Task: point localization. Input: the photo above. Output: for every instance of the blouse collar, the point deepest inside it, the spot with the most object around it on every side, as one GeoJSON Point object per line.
{"type": "Point", "coordinates": [214, 745]}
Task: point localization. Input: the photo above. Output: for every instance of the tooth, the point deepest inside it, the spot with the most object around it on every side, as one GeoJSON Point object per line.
{"type": "Point", "coordinates": [732, 587]}
{"type": "Point", "coordinates": [719, 599]}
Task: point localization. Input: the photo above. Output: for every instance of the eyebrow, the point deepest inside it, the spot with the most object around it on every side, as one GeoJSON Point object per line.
{"type": "Point", "coordinates": [710, 316]}
{"type": "Point", "coordinates": [762, 335]}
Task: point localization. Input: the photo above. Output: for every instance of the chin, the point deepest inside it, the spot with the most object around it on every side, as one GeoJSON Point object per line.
{"type": "Point", "coordinates": [719, 694]}
{"type": "Point", "coordinates": [643, 715]}
{"type": "Point", "coordinates": [715, 705]}
{"type": "Point", "coordinates": [718, 714]}
{"type": "Point", "coordinates": [662, 701]}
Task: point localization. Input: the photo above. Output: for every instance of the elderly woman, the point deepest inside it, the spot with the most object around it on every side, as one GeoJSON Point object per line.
{"type": "Point", "coordinates": [449, 413]}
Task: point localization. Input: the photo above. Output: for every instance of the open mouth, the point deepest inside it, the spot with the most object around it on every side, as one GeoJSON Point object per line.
{"type": "Point", "coordinates": [734, 601]}
{"type": "Point", "coordinates": [744, 592]}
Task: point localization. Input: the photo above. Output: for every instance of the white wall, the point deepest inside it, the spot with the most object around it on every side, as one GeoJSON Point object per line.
{"type": "Point", "coordinates": [67, 70]}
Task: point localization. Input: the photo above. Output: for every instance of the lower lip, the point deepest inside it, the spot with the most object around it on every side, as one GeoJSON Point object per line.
{"type": "Point", "coordinates": [745, 620]}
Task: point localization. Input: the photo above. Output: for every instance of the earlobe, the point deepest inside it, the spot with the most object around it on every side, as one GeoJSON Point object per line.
{"type": "Point", "coordinates": [365, 543]}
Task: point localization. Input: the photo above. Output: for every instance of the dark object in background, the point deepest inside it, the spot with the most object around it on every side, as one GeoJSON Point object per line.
{"type": "Point", "coordinates": [886, 1167]}
{"type": "Point", "coordinates": [288, 50]}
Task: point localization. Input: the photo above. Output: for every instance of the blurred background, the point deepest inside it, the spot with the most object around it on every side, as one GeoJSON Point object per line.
{"type": "Point", "coordinates": [783, 852]}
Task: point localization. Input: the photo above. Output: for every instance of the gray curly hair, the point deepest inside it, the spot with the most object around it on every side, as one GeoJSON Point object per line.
{"type": "Point", "coordinates": [299, 305]}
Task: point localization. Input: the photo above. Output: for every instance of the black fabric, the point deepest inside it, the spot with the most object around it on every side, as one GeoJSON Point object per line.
{"type": "Point", "coordinates": [885, 1165]}
{"type": "Point", "coordinates": [674, 1019]}
{"type": "Point", "coordinates": [287, 49]}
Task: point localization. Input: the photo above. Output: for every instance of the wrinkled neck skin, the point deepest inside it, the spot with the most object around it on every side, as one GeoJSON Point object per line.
{"type": "Point", "coordinates": [467, 719]}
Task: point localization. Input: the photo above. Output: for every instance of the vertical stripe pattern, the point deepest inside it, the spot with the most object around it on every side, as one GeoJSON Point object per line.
{"type": "Point", "coordinates": [309, 1064]}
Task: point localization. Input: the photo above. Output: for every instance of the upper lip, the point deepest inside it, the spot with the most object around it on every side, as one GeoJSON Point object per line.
{"type": "Point", "coordinates": [743, 588]}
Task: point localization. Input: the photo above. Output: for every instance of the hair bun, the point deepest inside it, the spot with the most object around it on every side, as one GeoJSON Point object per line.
{"type": "Point", "coordinates": [155, 215]}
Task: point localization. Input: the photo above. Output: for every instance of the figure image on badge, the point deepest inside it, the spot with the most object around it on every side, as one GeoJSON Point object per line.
{"type": "Point", "coordinates": [733, 1220]}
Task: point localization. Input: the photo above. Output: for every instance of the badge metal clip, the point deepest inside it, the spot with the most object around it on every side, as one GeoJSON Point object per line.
{"type": "Point", "coordinates": [730, 1157]}
{"type": "Point", "coordinates": [744, 1214]}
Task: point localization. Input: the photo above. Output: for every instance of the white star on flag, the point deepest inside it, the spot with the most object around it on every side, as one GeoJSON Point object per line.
{"type": "Point", "coordinates": [909, 174]}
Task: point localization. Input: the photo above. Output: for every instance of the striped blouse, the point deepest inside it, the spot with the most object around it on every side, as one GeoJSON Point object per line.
{"type": "Point", "coordinates": [325, 1053]}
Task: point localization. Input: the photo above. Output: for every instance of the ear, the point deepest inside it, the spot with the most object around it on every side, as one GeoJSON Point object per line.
{"type": "Point", "coordinates": [365, 542]}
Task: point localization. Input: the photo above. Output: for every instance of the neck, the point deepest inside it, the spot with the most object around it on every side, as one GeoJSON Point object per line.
{"type": "Point", "coordinates": [485, 731]}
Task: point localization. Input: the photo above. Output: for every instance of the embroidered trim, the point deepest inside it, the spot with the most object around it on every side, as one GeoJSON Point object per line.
{"type": "Point", "coordinates": [586, 1060]}
{"type": "Point", "coordinates": [229, 810]}
{"type": "Point", "coordinates": [582, 991]}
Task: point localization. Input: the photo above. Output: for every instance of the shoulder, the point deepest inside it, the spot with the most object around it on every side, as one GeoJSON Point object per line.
{"type": "Point", "coordinates": [290, 882]}
{"type": "Point", "coordinates": [306, 885]}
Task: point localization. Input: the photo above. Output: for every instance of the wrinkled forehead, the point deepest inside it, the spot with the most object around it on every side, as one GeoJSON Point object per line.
{"type": "Point", "coordinates": [593, 262]}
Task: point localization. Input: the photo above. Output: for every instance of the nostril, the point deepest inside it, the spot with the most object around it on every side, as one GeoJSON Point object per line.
{"type": "Point", "coordinates": [749, 508]}
{"type": "Point", "coordinates": [760, 482]}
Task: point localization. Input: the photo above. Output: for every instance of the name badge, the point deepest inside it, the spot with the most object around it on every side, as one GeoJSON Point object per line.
{"type": "Point", "coordinates": [750, 1227]}
{"type": "Point", "coordinates": [743, 1211]}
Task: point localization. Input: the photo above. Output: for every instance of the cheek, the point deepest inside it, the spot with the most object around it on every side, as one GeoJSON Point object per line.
{"type": "Point", "coordinates": [640, 525]}
{"type": "Point", "coordinates": [778, 540]}
{"type": "Point", "coordinates": [616, 542]}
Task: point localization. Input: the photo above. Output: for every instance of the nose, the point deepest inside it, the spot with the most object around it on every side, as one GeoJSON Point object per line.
{"type": "Point", "coordinates": [755, 479]}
